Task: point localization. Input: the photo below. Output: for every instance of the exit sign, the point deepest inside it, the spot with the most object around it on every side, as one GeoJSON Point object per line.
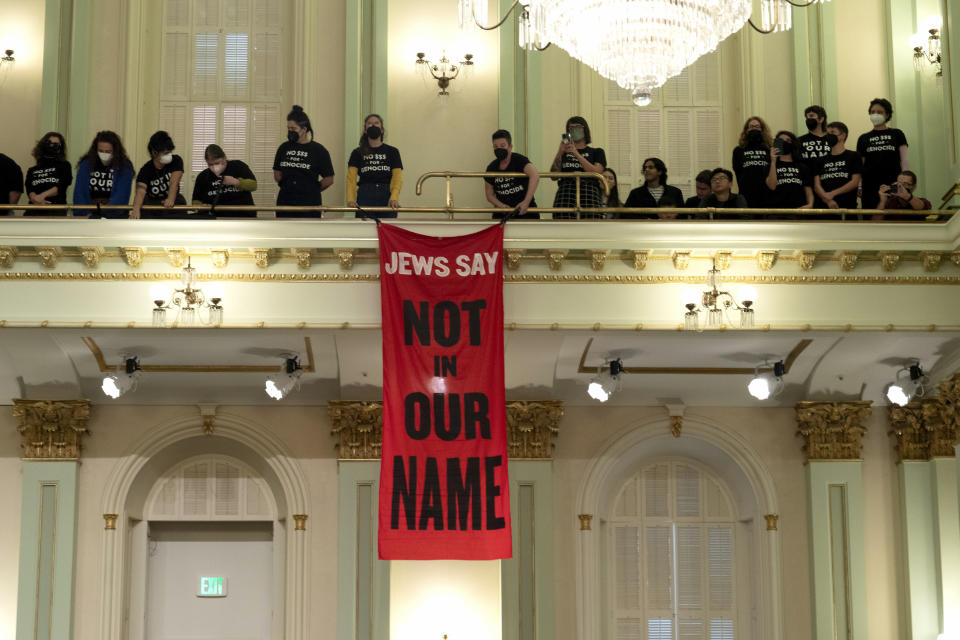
{"type": "Point", "coordinates": [212, 587]}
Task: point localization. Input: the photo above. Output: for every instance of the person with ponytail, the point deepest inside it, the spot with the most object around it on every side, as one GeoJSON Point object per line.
{"type": "Point", "coordinates": [104, 176]}
{"type": "Point", "coordinates": [374, 171]}
{"type": "Point", "coordinates": [301, 167]}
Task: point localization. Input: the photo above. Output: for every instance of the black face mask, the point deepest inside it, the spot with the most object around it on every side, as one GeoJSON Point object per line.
{"type": "Point", "coordinates": [293, 136]}
{"type": "Point", "coordinates": [832, 139]}
{"type": "Point", "coordinates": [812, 123]}
{"type": "Point", "coordinates": [501, 153]}
{"type": "Point", "coordinates": [374, 132]}
{"type": "Point", "coordinates": [53, 149]}
{"type": "Point", "coordinates": [754, 136]}
{"type": "Point", "coordinates": [786, 148]}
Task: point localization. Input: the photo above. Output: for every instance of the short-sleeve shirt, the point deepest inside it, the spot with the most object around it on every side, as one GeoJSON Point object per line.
{"type": "Point", "coordinates": [792, 177]}
{"type": "Point", "coordinates": [50, 173]}
{"type": "Point", "coordinates": [209, 188]}
{"type": "Point", "coordinates": [835, 171]}
{"type": "Point", "coordinates": [880, 150]}
{"type": "Point", "coordinates": [752, 165]}
{"type": "Point", "coordinates": [590, 195]}
{"type": "Point", "coordinates": [158, 180]}
{"type": "Point", "coordinates": [302, 166]}
{"type": "Point", "coordinates": [510, 191]}
{"type": "Point", "coordinates": [813, 146]}
{"type": "Point", "coordinates": [11, 178]}
{"type": "Point", "coordinates": [376, 166]}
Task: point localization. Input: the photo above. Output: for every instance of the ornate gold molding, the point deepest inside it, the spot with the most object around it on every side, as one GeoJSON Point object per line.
{"type": "Point", "coordinates": [133, 256]}
{"type": "Point", "coordinates": [51, 430]}
{"type": "Point", "coordinates": [832, 430]}
{"type": "Point", "coordinates": [110, 521]}
{"type": "Point", "coordinates": [848, 260]}
{"type": "Point", "coordinates": [890, 260]}
{"type": "Point", "coordinates": [681, 259]}
{"type": "Point", "coordinates": [300, 521]}
{"type": "Point", "coordinates": [585, 520]}
{"type": "Point", "coordinates": [766, 259]}
{"type": "Point", "coordinates": [91, 256]}
{"type": "Point", "coordinates": [7, 256]}
{"type": "Point", "coordinates": [805, 259]}
{"type": "Point", "coordinates": [597, 258]}
{"type": "Point", "coordinates": [676, 426]}
{"type": "Point", "coordinates": [531, 429]}
{"type": "Point", "coordinates": [358, 427]}
{"type": "Point", "coordinates": [347, 258]}
{"type": "Point", "coordinates": [303, 258]}
{"type": "Point", "coordinates": [219, 257]}
{"type": "Point", "coordinates": [907, 426]}
{"type": "Point", "coordinates": [722, 258]}
{"type": "Point", "coordinates": [261, 257]}
{"type": "Point", "coordinates": [942, 417]}
{"type": "Point", "coordinates": [177, 257]}
{"type": "Point", "coordinates": [771, 519]}
{"type": "Point", "coordinates": [930, 260]}
{"type": "Point", "coordinates": [513, 257]}
{"type": "Point", "coordinates": [49, 256]}
{"type": "Point", "coordinates": [640, 259]}
{"type": "Point", "coordinates": [555, 258]}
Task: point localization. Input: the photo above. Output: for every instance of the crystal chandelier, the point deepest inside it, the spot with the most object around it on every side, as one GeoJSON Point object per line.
{"type": "Point", "coordinates": [188, 301]}
{"type": "Point", "coordinates": [716, 304]}
{"type": "Point", "coordinates": [639, 44]}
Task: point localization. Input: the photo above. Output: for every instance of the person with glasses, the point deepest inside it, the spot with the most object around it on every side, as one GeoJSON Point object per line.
{"type": "Point", "coordinates": [899, 196]}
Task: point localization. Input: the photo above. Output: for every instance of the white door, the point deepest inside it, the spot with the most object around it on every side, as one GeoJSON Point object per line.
{"type": "Point", "coordinates": [181, 554]}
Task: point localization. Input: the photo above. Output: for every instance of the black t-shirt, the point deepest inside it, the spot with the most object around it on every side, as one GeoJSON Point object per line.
{"type": "Point", "coordinates": [813, 146]}
{"type": "Point", "coordinates": [209, 188]}
{"type": "Point", "coordinates": [880, 151]}
{"type": "Point", "coordinates": [302, 166]}
{"type": "Point", "coordinates": [751, 164]}
{"type": "Point", "coordinates": [836, 171]}
{"type": "Point", "coordinates": [50, 173]}
{"type": "Point", "coordinates": [158, 180]}
{"type": "Point", "coordinates": [101, 181]}
{"type": "Point", "coordinates": [11, 178]}
{"type": "Point", "coordinates": [511, 191]}
{"type": "Point", "coordinates": [590, 191]}
{"type": "Point", "coordinates": [792, 177]}
{"type": "Point", "coordinates": [376, 166]}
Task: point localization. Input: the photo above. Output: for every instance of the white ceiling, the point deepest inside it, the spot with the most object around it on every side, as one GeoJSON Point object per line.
{"type": "Point", "coordinates": [541, 364]}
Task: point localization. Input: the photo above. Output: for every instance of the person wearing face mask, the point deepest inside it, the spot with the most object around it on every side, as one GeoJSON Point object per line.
{"type": "Point", "coordinates": [883, 152]}
{"type": "Point", "coordinates": [158, 181]}
{"type": "Point", "coordinates": [104, 176]}
{"type": "Point", "coordinates": [751, 162]}
{"type": "Point", "coordinates": [813, 144]}
{"type": "Point", "coordinates": [654, 192]}
{"type": "Point", "coordinates": [225, 182]}
{"type": "Point", "coordinates": [509, 192]}
{"type": "Point", "coordinates": [575, 154]}
{"type": "Point", "coordinates": [47, 181]}
{"type": "Point", "coordinates": [837, 176]}
{"type": "Point", "coordinates": [788, 179]}
{"type": "Point", "coordinates": [374, 171]}
{"type": "Point", "coordinates": [11, 182]}
{"type": "Point", "coordinates": [301, 167]}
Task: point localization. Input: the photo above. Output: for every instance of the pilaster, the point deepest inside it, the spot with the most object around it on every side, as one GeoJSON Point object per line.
{"type": "Point", "coordinates": [51, 433]}
{"type": "Point", "coordinates": [832, 433]}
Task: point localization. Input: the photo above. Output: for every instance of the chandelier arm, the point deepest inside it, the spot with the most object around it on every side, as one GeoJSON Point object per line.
{"type": "Point", "coordinates": [758, 29]}
{"type": "Point", "coordinates": [544, 47]}
{"type": "Point", "coordinates": [495, 26]}
{"type": "Point", "coordinates": [801, 4]}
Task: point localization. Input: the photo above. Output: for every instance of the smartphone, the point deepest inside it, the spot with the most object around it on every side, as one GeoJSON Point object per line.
{"type": "Point", "coordinates": [565, 137]}
{"type": "Point", "coordinates": [778, 144]}
{"type": "Point", "coordinates": [895, 186]}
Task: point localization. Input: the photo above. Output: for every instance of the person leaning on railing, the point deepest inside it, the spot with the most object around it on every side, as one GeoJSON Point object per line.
{"type": "Point", "coordinates": [509, 192]}
{"type": "Point", "coordinates": [898, 196]}
{"type": "Point", "coordinates": [47, 181]}
{"type": "Point", "coordinates": [104, 177]}
{"type": "Point", "coordinates": [158, 181]}
{"type": "Point", "coordinates": [702, 189]}
{"type": "Point", "coordinates": [11, 181]}
{"type": "Point", "coordinates": [653, 193]}
{"type": "Point", "coordinates": [225, 182]}
{"type": "Point", "coordinates": [721, 196]}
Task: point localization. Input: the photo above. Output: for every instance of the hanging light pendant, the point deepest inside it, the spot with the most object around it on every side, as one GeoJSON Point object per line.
{"type": "Point", "coordinates": [775, 15]}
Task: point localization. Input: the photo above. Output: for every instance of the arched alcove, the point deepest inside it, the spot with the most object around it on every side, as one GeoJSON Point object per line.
{"type": "Point", "coordinates": [731, 458]}
{"type": "Point", "coordinates": [164, 447]}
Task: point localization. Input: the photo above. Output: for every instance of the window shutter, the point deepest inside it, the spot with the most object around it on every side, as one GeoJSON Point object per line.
{"type": "Point", "coordinates": [656, 496]}
{"type": "Point", "coordinates": [688, 492]}
{"type": "Point", "coordinates": [628, 570]}
{"type": "Point", "coordinates": [234, 134]}
{"type": "Point", "coordinates": [236, 66]}
{"type": "Point", "coordinates": [659, 567]}
{"type": "Point", "coordinates": [677, 91]}
{"type": "Point", "coordinates": [205, 75]}
{"type": "Point", "coordinates": [617, 94]}
{"type": "Point", "coordinates": [630, 629]}
{"type": "Point", "coordinates": [721, 567]}
{"type": "Point", "coordinates": [176, 55]}
{"type": "Point", "coordinates": [226, 489]}
{"type": "Point", "coordinates": [236, 13]}
{"type": "Point", "coordinates": [707, 137]}
{"type": "Point", "coordinates": [173, 120]}
{"type": "Point", "coordinates": [266, 128]}
{"type": "Point", "coordinates": [677, 148]}
{"type": "Point", "coordinates": [195, 490]}
{"type": "Point", "coordinates": [268, 76]}
{"type": "Point", "coordinates": [206, 13]}
{"type": "Point", "coordinates": [203, 132]}
{"type": "Point", "coordinates": [621, 141]}
{"type": "Point", "coordinates": [660, 629]}
{"type": "Point", "coordinates": [706, 85]}
{"type": "Point", "coordinates": [689, 562]}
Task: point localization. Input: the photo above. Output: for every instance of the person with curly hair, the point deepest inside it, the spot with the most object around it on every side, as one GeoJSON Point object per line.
{"type": "Point", "coordinates": [751, 162]}
{"type": "Point", "coordinates": [47, 181]}
{"type": "Point", "coordinates": [104, 176]}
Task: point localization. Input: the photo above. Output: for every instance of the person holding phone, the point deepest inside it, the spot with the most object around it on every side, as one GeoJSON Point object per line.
{"type": "Point", "coordinates": [576, 154]}
{"type": "Point", "coordinates": [899, 195]}
{"type": "Point", "coordinates": [788, 179]}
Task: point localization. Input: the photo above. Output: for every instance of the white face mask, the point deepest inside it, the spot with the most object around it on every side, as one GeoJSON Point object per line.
{"type": "Point", "coordinates": [877, 118]}
{"type": "Point", "coordinates": [105, 157]}
{"type": "Point", "coordinates": [218, 168]}
{"type": "Point", "coordinates": [166, 158]}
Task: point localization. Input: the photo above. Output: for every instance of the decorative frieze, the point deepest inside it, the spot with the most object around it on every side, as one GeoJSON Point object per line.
{"type": "Point", "coordinates": [722, 258]}
{"type": "Point", "coordinates": [91, 256]}
{"type": "Point", "coordinates": [51, 430]}
{"type": "Point", "coordinates": [890, 260]}
{"type": "Point", "coordinates": [49, 256]}
{"type": "Point", "coordinates": [555, 258]}
{"type": "Point", "coordinates": [930, 261]}
{"type": "Point", "coordinates": [848, 260]}
{"type": "Point", "coordinates": [766, 259]}
{"type": "Point", "coordinates": [681, 260]}
{"type": "Point", "coordinates": [531, 429]}
{"type": "Point", "coordinates": [8, 256]}
{"type": "Point", "coordinates": [640, 259]}
{"type": "Point", "coordinates": [304, 257]}
{"type": "Point", "coordinates": [177, 257]}
{"type": "Point", "coordinates": [219, 257]}
{"type": "Point", "coordinates": [513, 258]}
{"type": "Point", "coordinates": [346, 257]}
{"type": "Point", "coordinates": [907, 426]}
{"type": "Point", "coordinates": [597, 259]}
{"type": "Point", "coordinates": [133, 256]}
{"type": "Point", "coordinates": [261, 257]}
{"type": "Point", "coordinates": [832, 430]}
{"type": "Point", "coordinates": [806, 259]}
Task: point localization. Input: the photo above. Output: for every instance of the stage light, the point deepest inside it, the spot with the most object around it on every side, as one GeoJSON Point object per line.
{"type": "Point", "coordinates": [905, 387]}
{"type": "Point", "coordinates": [279, 385]}
{"type": "Point", "coordinates": [124, 380]}
{"type": "Point", "coordinates": [607, 381]}
{"type": "Point", "coordinates": [770, 383]}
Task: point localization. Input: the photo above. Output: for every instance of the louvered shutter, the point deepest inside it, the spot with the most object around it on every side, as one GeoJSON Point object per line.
{"type": "Point", "coordinates": [195, 490]}
{"type": "Point", "coordinates": [621, 140]}
{"type": "Point", "coordinates": [678, 149]}
{"type": "Point", "coordinates": [678, 90]}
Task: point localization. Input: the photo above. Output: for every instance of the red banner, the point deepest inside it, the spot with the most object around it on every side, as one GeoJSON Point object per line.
{"type": "Point", "coordinates": [444, 492]}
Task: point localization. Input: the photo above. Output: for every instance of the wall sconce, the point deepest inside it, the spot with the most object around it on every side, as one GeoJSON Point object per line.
{"type": "Point", "coordinates": [188, 301]}
{"type": "Point", "coordinates": [716, 303]}
{"type": "Point", "coordinates": [928, 47]}
{"type": "Point", "coordinates": [443, 71]}
{"type": "Point", "coordinates": [8, 56]}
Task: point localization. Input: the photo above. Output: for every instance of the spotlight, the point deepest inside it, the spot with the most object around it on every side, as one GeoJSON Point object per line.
{"type": "Point", "coordinates": [763, 385]}
{"type": "Point", "coordinates": [125, 379]}
{"type": "Point", "coordinates": [901, 390]}
{"type": "Point", "coordinates": [280, 384]}
{"type": "Point", "coordinates": [606, 382]}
